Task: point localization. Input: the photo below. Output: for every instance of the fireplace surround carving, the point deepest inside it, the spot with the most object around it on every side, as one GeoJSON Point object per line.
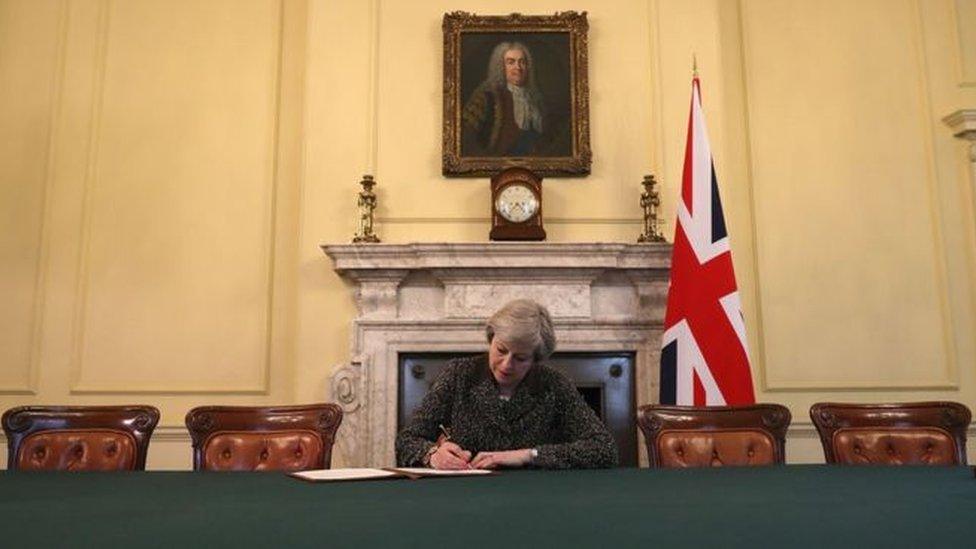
{"type": "Point", "coordinates": [435, 297]}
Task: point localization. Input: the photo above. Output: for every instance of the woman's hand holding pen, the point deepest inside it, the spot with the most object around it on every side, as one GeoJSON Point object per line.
{"type": "Point", "coordinates": [450, 456]}
{"type": "Point", "coordinates": [494, 460]}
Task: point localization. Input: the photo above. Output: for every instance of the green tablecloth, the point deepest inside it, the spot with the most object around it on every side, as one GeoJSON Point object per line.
{"type": "Point", "coordinates": [793, 506]}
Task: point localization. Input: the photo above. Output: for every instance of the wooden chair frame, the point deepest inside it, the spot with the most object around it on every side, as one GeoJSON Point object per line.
{"type": "Point", "coordinates": [205, 421]}
{"type": "Point", "coordinates": [139, 421]}
{"type": "Point", "coordinates": [773, 419]}
{"type": "Point", "coordinates": [830, 417]}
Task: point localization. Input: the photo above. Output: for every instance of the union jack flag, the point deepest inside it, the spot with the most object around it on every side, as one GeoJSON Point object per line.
{"type": "Point", "coordinates": [704, 355]}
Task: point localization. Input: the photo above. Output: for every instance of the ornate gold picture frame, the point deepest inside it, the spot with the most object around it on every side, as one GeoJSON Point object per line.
{"type": "Point", "coordinates": [516, 94]}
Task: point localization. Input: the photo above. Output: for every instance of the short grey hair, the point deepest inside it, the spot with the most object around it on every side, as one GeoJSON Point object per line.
{"type": "Point", "coordinates": [524, 321]}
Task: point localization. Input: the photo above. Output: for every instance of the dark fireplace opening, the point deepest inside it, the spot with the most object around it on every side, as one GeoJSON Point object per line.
{"type": "Point", "coordinates": [604, 379]}
{"type": "Point", "coordinates": [593, 396]}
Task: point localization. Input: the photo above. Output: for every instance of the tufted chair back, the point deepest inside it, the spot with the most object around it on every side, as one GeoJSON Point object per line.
{"type": "Point", "coordinates": [714, 436]}
{"type": "Point", "coordinates": [277, 438]}
{"type": "Point", "coordinates": [918, 433]}
{"type": "Point", "coordinates": [78, 438]}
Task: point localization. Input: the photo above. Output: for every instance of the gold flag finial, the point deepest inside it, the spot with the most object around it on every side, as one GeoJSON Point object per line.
{"type": "Point", "coordinates": [694, 64]}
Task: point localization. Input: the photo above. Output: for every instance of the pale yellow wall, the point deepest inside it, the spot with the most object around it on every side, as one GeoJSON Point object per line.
{"type": "Point", "coordinates": [168, 170]}
{"type": "Point", "coordinates": [152, 184]}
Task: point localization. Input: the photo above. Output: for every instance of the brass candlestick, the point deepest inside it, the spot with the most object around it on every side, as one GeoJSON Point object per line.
{"type": "Point", "coordinates": [650, 201]}
{"type": "Point", "coordinates": [367, 203]}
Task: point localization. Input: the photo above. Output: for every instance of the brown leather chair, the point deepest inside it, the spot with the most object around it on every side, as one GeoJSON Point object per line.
{"type": "Point", "coordinates": [916, 433]}
{"type": "Point", "coordinates": [250, 438]}
{"type": "Point", "coordinates": [78, 438]}
{"type": "Point", "coordinates": [714, 436]}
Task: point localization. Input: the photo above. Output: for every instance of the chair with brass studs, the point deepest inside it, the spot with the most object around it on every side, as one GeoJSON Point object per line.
{"type": "Point", "coordinates": [915, 433]}
{"type": "Point", "coordinates": [251, 438]}
{"type": "Point", "coordinates": [714, 436]}
{"type": "Point", "coordinates": [78, 438]}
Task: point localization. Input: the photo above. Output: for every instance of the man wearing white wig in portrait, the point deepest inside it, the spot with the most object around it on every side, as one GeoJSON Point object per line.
{"type": "Point", "coordinates": [505, 115]}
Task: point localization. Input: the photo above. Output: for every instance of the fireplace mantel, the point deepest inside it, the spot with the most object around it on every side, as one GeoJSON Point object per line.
{"type": "Point", "coordinates": [436, 296]}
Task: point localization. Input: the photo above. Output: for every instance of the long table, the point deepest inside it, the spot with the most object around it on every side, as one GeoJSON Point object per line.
{"type": "Point", "coordinates": [791, 506]}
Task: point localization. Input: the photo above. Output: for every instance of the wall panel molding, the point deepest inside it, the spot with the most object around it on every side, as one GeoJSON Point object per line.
{"type": "Point", "coordinates": [373, 88]}
{"type": "Point", "coordinates": [928, 125]}
{"type": "Point", "coordinates": [658, 160]}
{"type": "Point", "coordinates": [965, 68]}
{"type": "Point", "coordinates": [771, 375]}
{"type": "Point", "coordinates": [38, 291]}
{"type": "Point", "coordinates": [91, 162]}
{"type": "Point", "coordinates": [405, 220]}
{"type": "Point", "coordinates": [83, 382]}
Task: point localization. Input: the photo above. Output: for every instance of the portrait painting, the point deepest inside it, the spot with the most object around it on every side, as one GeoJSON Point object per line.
{"type": "Point", "coordinates": [516, 94]}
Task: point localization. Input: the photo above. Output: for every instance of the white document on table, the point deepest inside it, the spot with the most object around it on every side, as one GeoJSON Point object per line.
{"type": "Point", "coordinates": [426, 472]}
{"type": "Point", "coordinates": [353, 473]}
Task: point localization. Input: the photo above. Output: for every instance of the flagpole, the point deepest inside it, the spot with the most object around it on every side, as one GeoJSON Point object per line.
{"type": "Point", "coordinates": [704, 352]}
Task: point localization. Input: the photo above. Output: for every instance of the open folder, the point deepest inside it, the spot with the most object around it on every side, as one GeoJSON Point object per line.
{"type": "Point", "coordinates": [358, 473]}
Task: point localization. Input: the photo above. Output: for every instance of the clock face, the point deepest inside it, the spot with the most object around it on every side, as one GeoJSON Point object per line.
{"type": "Point", "coordinates": [516, 203]}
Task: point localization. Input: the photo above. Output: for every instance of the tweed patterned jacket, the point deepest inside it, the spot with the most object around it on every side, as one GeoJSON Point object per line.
{"type": "Point", "coordinates": [546, 412]}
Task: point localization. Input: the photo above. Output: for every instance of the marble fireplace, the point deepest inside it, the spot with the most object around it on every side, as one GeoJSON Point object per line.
{"type": "Point", "coordinates": [435, 297]}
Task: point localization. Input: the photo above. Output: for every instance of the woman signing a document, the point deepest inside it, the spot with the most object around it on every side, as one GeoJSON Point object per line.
{"type": "Point", "coordinates": [506, 409]}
